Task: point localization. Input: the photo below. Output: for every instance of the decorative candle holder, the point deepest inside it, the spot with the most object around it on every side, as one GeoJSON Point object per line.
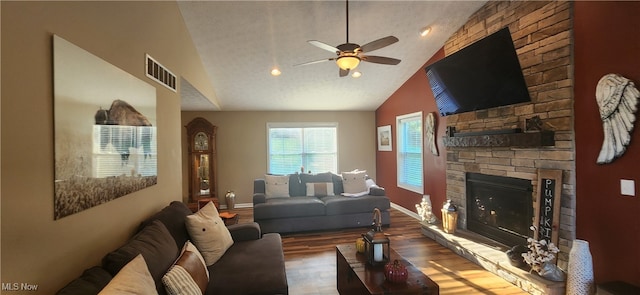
{"type": "Point", "coordinates": [376, 244]}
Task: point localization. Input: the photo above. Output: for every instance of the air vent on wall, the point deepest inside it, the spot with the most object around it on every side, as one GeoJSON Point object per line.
{"type": "Point", "coordinates": [160, 74]}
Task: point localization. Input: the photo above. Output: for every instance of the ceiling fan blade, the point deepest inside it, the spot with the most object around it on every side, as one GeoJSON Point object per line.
{"type": "Point", "coordinates": [344, 73]}
{"type": "Point", "coordinates": [314, 62]}
{"type": "Point", "coordinates": [324, 46]}
{"type": "Point", "coordinates": [380, 60]}
{"type": "Point", "coordinates": [377, 44]}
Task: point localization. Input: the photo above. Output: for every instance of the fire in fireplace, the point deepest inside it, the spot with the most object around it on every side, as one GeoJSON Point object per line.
{"type": "Point", "coordinates": [500, 208]}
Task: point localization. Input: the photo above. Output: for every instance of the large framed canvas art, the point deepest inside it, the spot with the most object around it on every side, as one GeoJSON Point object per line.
{"type": "Point", "coordinates": [104, 130]}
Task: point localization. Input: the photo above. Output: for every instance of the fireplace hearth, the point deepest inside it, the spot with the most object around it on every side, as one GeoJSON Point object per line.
{"type": "Point", "coordinates": [499, 208]}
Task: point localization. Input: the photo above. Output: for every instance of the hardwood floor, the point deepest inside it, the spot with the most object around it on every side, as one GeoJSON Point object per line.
{"type": "Point", "coordinates": [310, 259]}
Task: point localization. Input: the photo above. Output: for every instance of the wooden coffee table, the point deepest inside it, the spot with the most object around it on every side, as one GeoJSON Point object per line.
{"type": "Point", "coordinates": [356, 276]}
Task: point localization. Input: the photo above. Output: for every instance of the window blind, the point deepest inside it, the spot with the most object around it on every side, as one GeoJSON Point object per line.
{"type": "Point", "coordinates": [311, 147]}
{"type": "Point", "coordinates": [409, 155]}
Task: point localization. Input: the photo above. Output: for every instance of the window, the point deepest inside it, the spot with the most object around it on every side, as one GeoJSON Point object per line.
{"type": "Point", "coordinates": [409, 139]}
{"type": "Point", "coordinates": [313, 146]}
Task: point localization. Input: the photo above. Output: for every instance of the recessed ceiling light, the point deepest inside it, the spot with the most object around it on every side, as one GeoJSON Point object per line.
{"type": "Point", "coordinates": [275, 72]}
{"type": "Point", "coordinates": [425, 31]}
{"type": "Point", "coordinates": [356, 74]}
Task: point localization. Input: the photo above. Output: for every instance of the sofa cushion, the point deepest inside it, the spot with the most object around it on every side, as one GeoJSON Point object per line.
{"type": "Point", "coordinates": [209, 234]}
{"type": "Point", "coordinates": [338, 205]}
{"type": "Point", "coordinates": [189, 273]}
{"type": "Point", "coordinates": [318, 177]}
{"type": "Point", "coordinates": [288, 207]}
{"type": "Point", "coordinates": [338, 187]}
{"type": "Point", "coordinates": [319, 189]}
{"type": "Point", "coordinates": [276, 186]}
{"type": "Point", "coordinates": [133, 278]}
{"type": "Point", "coordinates": [172, 217]}
{"type": "Point", "coordinates": [91, 281]}
{"type": "Point", "coordinates": [251, 267]}
{"type": "Point", "coordinates": [354, 182]}
{"type": "Point", "coordinates": [157, 247]}
{"type": "Point", "coordinates": [296, 187]}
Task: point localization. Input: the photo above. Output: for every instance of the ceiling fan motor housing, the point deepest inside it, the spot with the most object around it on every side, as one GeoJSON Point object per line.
{"type": "Point", "coordinates": [348, 47]}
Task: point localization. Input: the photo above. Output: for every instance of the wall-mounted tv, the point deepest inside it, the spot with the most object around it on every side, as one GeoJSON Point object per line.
{"type": "Point", "coordinates": [483, 75]}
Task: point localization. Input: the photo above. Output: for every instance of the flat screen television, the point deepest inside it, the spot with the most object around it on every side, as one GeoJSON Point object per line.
{"type": "Point", "coordinates": [483, 75]}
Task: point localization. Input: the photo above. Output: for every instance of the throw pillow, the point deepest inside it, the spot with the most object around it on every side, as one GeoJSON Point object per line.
{"type": "Point", "coordinates": [209, 234]}
{"type": "Point", "coordinates": [91, 281]}
{"type": "Point", "coordinates": [133, 278]}
{"type": "Point", "coordinates": [276, 186]}
{"type": "Point", "coordinates": [178, 281]}
{"type": "Point", "coordinates": [354, 182]}
{"type": "Point", "coordinates": [320, 189]}
{"type": "Point", "coordinates": [191, 264]}
{"type": "Point", "coordinates": [155, 243]}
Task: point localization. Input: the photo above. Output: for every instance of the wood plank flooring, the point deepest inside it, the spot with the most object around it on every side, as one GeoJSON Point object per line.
{"type": "Point", "coordinates": [310, 259]}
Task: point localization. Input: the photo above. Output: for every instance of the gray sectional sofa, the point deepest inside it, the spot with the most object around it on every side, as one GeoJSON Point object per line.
{"type": "Point", "coordinates": [301, 211]}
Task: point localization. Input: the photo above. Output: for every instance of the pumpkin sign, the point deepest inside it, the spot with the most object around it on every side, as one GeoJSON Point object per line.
{"type": "Point", "coordinates": [395, 272]}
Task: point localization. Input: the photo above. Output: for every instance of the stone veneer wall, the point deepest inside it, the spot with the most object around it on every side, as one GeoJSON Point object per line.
{"type": "Point", "coordinates": [542, 34]}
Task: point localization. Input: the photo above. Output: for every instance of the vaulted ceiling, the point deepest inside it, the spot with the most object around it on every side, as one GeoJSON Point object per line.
{"type": "Point", "coordinates": [240, 42]}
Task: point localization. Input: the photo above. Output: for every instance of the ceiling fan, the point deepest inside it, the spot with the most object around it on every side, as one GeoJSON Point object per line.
{"type": "Point", "coordinates": [349, 55]}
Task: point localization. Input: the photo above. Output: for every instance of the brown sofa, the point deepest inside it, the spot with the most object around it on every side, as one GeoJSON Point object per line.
{"type": "Point", "coordinates": [253, 257]}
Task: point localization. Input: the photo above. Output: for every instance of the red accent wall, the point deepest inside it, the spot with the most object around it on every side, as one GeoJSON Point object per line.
{"type": "Point", "coordinates": [607, 40]}
{"type": "Point", "coordinates": [413, 96]}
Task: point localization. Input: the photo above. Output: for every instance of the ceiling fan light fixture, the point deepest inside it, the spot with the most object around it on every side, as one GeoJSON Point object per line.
{"type": "Point", "coordinates": [425, 31]}
{"type": "Point", "coordinates": [348, 62]}
{"type": "Point", "coordinates": [356, 74]}
{"type": "Point", "coordinates": [275, 72]}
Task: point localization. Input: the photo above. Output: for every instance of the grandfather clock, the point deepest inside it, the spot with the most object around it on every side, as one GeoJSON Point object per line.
{"type": "Point", "coordinates": [203, 186]}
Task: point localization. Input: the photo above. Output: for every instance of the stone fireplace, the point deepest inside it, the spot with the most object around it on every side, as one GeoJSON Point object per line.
{"type": "Point", "coordinates": [499, 208]}
{"type": "Point", "coordinates": [542, 35]}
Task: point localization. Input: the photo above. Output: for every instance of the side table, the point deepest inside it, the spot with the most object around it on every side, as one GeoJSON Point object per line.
{"type": "Point", "coordinates": [229, 218]}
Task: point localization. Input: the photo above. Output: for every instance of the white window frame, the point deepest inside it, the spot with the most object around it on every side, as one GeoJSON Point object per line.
{"type": "Point", "coordinates": [400, 121]}
{"type": "Point", "coordinates": [302, 125]}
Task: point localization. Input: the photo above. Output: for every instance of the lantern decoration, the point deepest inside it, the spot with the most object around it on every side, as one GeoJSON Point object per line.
{"type": "Point", "coordinates": [376, 244]}
{"type": "Point", "coordinates": [449, 217]}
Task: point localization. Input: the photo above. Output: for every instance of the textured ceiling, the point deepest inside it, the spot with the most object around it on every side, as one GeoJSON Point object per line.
{"type": "Point", "coordinates": [239, 43]}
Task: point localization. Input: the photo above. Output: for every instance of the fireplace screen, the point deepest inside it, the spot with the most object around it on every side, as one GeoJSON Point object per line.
{"type": "Point", "coordinates": [500, 208]}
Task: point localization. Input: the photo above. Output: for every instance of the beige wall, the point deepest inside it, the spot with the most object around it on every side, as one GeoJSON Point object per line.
{"type": "Point", "coordinates": [36, 249]}
{"type": "Point", "coordinates": [242, 145]}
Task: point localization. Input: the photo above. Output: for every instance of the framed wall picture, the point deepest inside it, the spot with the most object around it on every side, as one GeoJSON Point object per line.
{"type": "Point", "coordinates": [104, 131]}
{"type": "Point", "coordinates": [384, 138]}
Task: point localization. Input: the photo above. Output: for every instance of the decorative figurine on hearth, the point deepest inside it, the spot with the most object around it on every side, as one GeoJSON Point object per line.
{"type": "Point", "coordinates": [617, 99]}
{"type": "Point", "coordinates": [425, 210]}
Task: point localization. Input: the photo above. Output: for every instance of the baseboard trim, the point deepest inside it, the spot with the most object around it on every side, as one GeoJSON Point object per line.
{"type": "Point", "coordinates": [240, 205]}
{"type": "Point", "coordinates": [405, 211]}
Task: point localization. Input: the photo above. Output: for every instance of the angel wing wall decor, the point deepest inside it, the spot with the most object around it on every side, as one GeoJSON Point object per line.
{"type": "Point", "coordinates": [430, 131]}
{"type": "Point", "coordinates": [617, 99]}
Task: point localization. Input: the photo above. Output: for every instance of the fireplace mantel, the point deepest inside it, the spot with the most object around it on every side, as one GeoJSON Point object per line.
{"type": "Point", "coordinates": [526, 139]}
